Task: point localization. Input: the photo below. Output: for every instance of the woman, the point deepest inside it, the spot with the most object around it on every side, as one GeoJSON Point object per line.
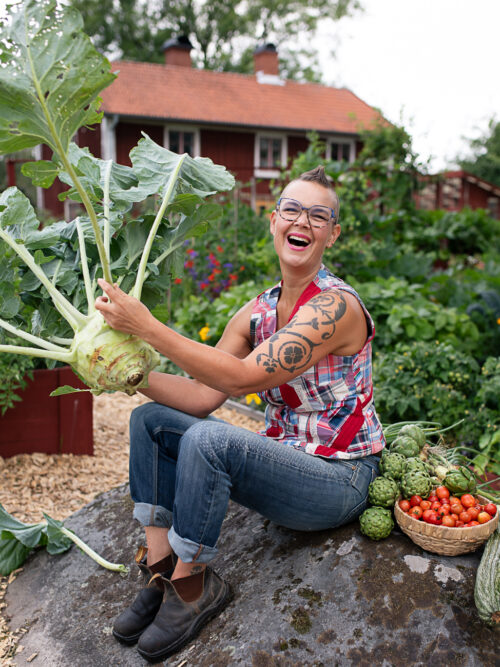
{"type": "Point", "coordinates": [304, 345]}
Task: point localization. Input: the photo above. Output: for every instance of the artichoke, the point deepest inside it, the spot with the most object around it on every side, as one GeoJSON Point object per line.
{"type": "Point", "coordinates": [383, 492]}
{"type": "Point", "coordinates": [414, 463]}
{"type": "Point", "coordinates": [460, 481]}
{"type": "Point", "coordinates": [416, 483]}
{"type": "Point", "coordinates": [392, 464]}
{"type": "Point", "coordinates": [415, 432]}
{"type": "Point", "coordinates": [406, 446]}
{"type": "Point", "coordinates": [376, 523]}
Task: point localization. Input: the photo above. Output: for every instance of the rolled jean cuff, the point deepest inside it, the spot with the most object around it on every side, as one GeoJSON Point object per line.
{"type": "Point", "coordinates": [152, 515]}
{"type": "Point", "coordinates": [189, 551]}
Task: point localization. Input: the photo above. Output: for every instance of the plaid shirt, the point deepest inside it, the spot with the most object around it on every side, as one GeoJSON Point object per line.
{"type": "Point", "coordinates": [327, 411]}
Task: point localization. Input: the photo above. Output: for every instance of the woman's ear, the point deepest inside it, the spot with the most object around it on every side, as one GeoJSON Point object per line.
{"type": "Point", "coordinates": [335, 233]}
{"type": "Point", "coordinates": [272, 223]}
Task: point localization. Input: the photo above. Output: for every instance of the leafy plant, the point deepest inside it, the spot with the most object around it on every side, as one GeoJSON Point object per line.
{"type": "Point", "coordinates": [50, 79]}
{"type": "Point", "coordinates": [17, 541]}
{"type": "Point", "coordinates": [14, 373]}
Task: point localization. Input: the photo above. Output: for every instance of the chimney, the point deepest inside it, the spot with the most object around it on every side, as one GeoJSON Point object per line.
{"type": "Point", "coordinates": [177, 51]}
{"type": "Point", "coordinates": [265, 60]}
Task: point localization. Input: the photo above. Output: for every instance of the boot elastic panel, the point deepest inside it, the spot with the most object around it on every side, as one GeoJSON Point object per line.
{"type": "Point", "coordinates": [189, 588]}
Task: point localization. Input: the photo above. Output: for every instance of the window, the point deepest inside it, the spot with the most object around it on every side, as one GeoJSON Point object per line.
{"type": "Point", "coordinates": [181, 142]}
{"type": "Point", "coordinates": [343, 151]}
{"type": "Point", "coordinates": [269, 152]}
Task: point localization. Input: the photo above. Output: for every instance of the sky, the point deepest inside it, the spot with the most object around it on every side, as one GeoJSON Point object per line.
{"type": "Point", "coordinates": [430, 65]}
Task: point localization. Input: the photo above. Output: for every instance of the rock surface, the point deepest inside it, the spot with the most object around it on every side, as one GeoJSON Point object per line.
{"type": "Point", "coordinates": [329, 598]}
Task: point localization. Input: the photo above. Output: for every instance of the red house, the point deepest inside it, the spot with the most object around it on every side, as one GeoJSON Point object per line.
{"type": "Point", "coordinates": [252, 124]}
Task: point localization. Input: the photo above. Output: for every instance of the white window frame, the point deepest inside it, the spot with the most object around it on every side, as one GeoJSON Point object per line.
{"type": "Point", "coordinates": [269, 172]}
{"type": "Point", "coordinates": [174, 127]}
{"type": "Point", "coordinates": [339, 139]}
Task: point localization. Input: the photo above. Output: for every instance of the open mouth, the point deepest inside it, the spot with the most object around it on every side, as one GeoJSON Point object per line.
{"type": "Point", "coordinates": [298, 241]}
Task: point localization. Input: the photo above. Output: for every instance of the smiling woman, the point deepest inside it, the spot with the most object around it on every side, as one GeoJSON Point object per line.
{"type": "Point", "coordinates": [303, 347]}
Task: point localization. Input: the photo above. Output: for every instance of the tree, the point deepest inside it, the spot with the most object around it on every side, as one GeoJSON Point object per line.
{"type": "Point", "coordinates": [224, 33]}
{"type": "Point", "coordinates": [485, 159]}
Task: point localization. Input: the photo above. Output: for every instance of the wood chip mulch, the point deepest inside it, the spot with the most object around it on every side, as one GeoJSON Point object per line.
{"type": "Point", "coordinates": [61, 484]}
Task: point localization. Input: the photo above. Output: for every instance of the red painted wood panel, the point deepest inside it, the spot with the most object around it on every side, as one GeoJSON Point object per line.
{"type": "Point", "coordinates": [54, 425]}
{"type": "Point", "coordinates": [127, 136]}
{"type": "Point", "coordinates": [234, 150]}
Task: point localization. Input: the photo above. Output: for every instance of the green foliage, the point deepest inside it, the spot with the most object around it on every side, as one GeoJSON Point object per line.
{"type": "Point", "coordinates": [14, 373]}
{"type": "Point", "coordinates": [219, 30]}
{"type": "Point", "coordinates": [485, 159]}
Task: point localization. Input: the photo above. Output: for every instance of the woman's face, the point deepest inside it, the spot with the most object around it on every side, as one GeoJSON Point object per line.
{"type": "Point", "coordinates": [298, 243]}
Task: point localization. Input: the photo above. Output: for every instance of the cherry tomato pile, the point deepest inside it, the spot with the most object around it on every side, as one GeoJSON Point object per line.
{"type": "Point", "coordinates": [443, 509]}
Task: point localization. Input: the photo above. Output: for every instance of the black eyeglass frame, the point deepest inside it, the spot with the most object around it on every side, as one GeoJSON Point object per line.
{"type": "Point", "coordinates": [306, 209]}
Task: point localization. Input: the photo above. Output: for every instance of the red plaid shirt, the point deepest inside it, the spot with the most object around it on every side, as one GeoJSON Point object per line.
{"type": "Point", "coordinates": [327, 411]}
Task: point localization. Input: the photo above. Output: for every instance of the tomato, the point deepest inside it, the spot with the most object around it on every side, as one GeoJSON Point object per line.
{"type": "Point", "coordinates": [432, 498]}
{"type": "Point", "coordinates": [425, 505]}
{"type": "Point", "coordinates": [415, 500]}
{"type": "Point", "coordinates": [416, 512]}
{"type": "Point", "coordinates": [473, 512]}
{"type": "Point", "coordinates": [456, 508]}
{"type": "Point", "coordinates": [434, 519]}
{"type": "Point", "coordinates": [404, 505]}
{"type": "Point", "coordinates": [448, 521]}
{"type": "Point", "coordinates": [427, 513]}
{"type": "Point", "coordinates": [444, 510]}
{"type": "Point", "coordinates": [446, 506]}
{"type": "Point", "coordinates": [473, 523]}
{"type": "Point", "coordinates": [442, 492]}
{"type": "Point", "coordinates": [459, 524]}
{"type": "Point", "coordinates": [436, 505]}
{"type": "Point", "coordinates": [483, 517]}
{"type": "Point", "coordinates": [453, 499]}
{"type": "Point", "coordinates": [468, 500]}
{"type": "Point", "coordinates": [465, 516]}
{"type": "Point", "coordinates": [491, 508]}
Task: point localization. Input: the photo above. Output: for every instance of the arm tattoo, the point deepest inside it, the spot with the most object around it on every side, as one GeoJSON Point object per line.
{"type": "Point", "coordinates": [295, 353]}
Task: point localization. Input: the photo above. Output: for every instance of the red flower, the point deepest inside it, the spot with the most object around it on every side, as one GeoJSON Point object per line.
{"type": "Point", "coordinates": [232, 276]}
{"type": "Point", "coordinates": [178, 281]}
{"type": "Point", "coordinates": [190, 251]}
{"type": "Point", "coordinates": [242, 268]}
{"type": "Point", "coordinates": [211, 277]}
{"type": "Point", "coordinates": [220, 248]}
{"type": "Point", "coordinates": [204, 285]}
{"type": "Point", "coordinates": [217, 271]}
{"type": "Point", "coordinates": [189, 264]}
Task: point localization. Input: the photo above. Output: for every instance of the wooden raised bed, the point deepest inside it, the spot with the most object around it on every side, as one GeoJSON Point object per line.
{"type": "Point", "coordinates": [53, 425]}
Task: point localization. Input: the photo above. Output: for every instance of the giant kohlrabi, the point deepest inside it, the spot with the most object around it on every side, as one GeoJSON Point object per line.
{"type": "Point", "coordinates": [50, 79]}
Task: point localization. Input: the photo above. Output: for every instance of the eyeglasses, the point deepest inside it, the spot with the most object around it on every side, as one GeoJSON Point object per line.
{"type": "Point", "coordinates": [317, 215]}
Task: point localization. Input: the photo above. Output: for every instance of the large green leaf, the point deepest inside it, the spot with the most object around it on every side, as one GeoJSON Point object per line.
{"type": "Point", "coordinates": [12, 555]}
{"type": "Point", "coordinates": [31, 535]}
{"type": "Point", "coordinates": [19, 222]}
{"type": "Point", "coordinates": [50, 76]}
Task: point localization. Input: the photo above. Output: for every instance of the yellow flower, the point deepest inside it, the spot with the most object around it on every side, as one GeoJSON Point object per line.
{"type": "Point", "coordinates": [203, 333]}
{"type": "Point", "coordinates": [498, 320]}
{"type": "Point", "coordinates": [253, 397]}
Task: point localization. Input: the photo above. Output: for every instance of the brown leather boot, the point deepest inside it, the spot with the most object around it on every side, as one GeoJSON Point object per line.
{"type": "Point", "coordinates": [135, 619]}
{"type": "Point", "coordinates": [188, 604]}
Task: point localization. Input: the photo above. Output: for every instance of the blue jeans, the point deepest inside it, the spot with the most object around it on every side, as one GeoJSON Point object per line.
{"type": "Point", "coordinates": [184, 470]}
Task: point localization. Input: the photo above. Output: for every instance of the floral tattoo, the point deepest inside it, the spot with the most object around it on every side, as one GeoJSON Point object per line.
{"type": "Point", "coordinates": [291, 349]}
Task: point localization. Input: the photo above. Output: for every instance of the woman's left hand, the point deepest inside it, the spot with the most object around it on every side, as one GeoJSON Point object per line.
{"type": "Point", "coordinates": [122, 311]}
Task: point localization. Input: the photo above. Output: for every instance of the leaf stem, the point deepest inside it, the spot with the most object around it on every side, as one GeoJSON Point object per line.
{"type": "Point", "coordinates": [85, 269]}
{"type": "Point", "coordinates": [107, 224]}
{"type": "Point", "coordinates": [30, 337]}
{"type": "Point", "coordinates": [36, 352]}
{"type": "Point", "coordinates": [116, 567]}
{"type": "Point", "coordinates": [67, 310]}
{"type": "Point", "coordinates": [141, 271]}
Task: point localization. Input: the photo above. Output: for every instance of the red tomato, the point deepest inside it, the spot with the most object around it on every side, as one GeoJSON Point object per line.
{"type": "Point", "coordinates": [425, 505]}
{"type": "Point", "coordinates": [473, 523]}
{"type": "Point", "coordinates": [453, 499]}
{"type": "Point", "coordinates": [473, 512]}
{"type": "Point", "coordinates": [427, 513]}
{"type": "Point", "coordinates": [416, 512]}
{"type": "Point", "coordinates": [456, 508]}
{"type": "Point", "coordinates": [404, 505]}
{"type": "Point", "coordinates": [491, 508]}
{"type": "Point", "coordinates": [483, 517]}
{"type": "Point", "coordinates": [468, 500]}
{"type": "Point", "coordinates": [448, 521]}
{"type": "Point", "coordinates": [435, 519]}
{"type": "Point", "coordinates": [442, 492]}
{"type": "Point", "coordinates": [446, 506]}
{"type": "Point", "coordinates": [444, 510]}
{"type": "Point", "coordinates": [459, 524]}
{"type": "Point", "coordinates": [432, 498]}
{"type": "Point", "coordinates": [465, 516]}
{"type": "Point", "coordinates": [415, 500]}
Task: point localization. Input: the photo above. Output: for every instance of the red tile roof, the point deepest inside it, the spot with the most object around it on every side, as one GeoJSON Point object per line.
{"type": "Point", "coordinates": [175, 93]}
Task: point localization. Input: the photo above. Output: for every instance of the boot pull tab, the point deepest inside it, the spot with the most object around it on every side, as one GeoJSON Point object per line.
{"type": "Point", "coordinates": [140, 554]}
{"type": "Point", "coordinates": [158, 581]}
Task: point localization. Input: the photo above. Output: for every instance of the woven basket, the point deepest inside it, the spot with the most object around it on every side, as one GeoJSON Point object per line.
{"type": "Point", "coordinates": [443, 540]}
